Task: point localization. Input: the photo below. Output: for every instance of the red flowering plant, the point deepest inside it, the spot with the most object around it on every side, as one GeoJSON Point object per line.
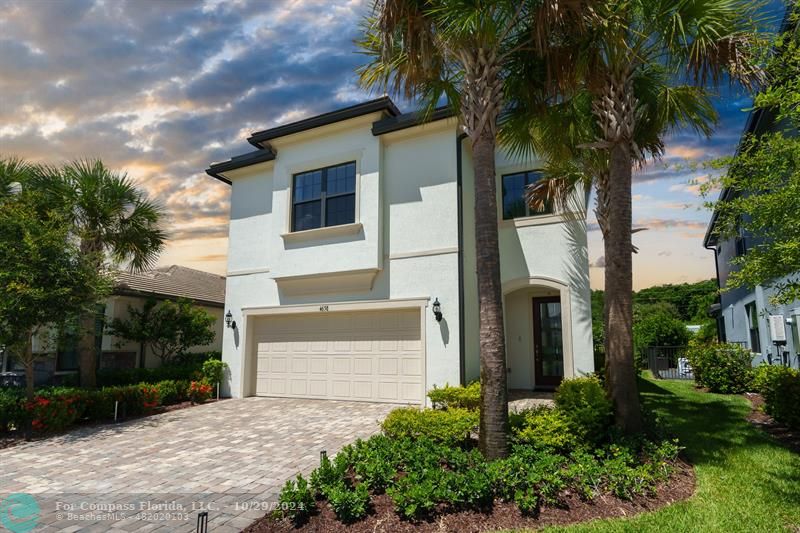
{"type": "Point", "coordinates": [199, 391]}
{"type": "Point", "coordinates": [150, 397]}
{"type": "Point", "coordinates": [55, 411]}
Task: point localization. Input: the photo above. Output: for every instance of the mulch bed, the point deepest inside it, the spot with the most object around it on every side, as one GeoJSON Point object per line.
{"type": "Point", "coordinates": [17, 437]}
{"type": "Point", "coordinates": [383, 518]}
{"type": "Point", "coordinates": [757, 417]}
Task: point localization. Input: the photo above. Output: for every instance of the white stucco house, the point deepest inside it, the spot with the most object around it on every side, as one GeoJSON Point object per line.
{"type": "Point", "coordinates": [345, 231]}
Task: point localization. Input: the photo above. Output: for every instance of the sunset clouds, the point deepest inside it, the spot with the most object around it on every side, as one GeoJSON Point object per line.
{"type": "Point", "coordinates": [162, 88]}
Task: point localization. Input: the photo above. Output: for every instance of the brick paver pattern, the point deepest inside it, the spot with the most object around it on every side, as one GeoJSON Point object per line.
{"type": "Point", "coordinates": [230, 458]}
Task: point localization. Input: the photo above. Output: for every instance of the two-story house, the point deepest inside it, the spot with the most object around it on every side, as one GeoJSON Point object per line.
{"type": "Point", "coordinates": [352, 270]}
{"type": "Point", "coordinates": [748, 316]}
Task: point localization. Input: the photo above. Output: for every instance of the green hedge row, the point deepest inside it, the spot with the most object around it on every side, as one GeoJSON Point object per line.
{"type": "Point", "coordinates": [57, 408]}
{"type": "Point", "coordinates": [426, 461]}
{"type": "Point", "coordinates": [186, 367]}
{"type": "Point", "coordinates": [728, 369]}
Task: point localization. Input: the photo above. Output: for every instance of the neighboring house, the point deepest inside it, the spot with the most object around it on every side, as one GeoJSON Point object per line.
{"type": "Point", "coordinates": [346, 231]}
{"type": "Point", "coordinates": [743, 316]}
{"type": "Point", "coordinates": [204, 289]}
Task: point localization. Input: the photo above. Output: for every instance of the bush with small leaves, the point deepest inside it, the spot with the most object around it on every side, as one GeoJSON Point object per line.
{"type": "Point", "coordinates": [451, 427]}
{"type": "Point", "coordinates": [544, 427]}
{"type": "Point", "coordinates": [584, 403]}
{"type": "Point", "coordinates": [459, 397]}
{"type": "Point", "coordinates": [722, 368]}
{"type": "Point", "coordinates": [781, 393]}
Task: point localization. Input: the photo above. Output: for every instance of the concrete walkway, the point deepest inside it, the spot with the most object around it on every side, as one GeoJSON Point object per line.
{"type": "Point", "coordinates": [155, 474]}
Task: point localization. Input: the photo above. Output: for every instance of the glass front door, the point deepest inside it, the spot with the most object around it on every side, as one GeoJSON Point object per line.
{"type": "Point", "coordinates": [548, 345]}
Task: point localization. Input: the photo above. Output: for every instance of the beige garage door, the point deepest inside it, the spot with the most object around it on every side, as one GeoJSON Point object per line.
{"type": "Point", "coordinates": [367, 356]}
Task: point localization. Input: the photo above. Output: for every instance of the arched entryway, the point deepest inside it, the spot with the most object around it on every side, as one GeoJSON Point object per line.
{"type": "Point", "coordinates": [538, 333]}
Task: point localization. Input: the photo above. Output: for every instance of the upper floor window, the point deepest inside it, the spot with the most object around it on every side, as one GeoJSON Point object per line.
{"type": "Point", "coordinates": [514, 192]}
{"type": "Point", "coordinates": [324, 197]}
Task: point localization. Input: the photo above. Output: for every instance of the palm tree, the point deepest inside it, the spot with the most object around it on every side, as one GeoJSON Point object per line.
{"type": "Point", "coordinates": [462, 51]}
{"type": "Point", "coordinates": [637, 68]}
{"type": "Point", "coordinates": [114, 222]}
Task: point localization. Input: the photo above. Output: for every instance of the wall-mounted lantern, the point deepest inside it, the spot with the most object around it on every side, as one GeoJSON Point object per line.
{"type": "Point", "coordinates": [437, 310]}
{"type": "Point", "coordinates": [229, 321]}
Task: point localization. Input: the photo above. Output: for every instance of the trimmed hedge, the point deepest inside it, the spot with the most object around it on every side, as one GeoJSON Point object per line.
{"type": "Point", "coordinates": [780, 387]}
{"type": "Point", "coordinates": [722, 368]}
{"type": "Point", "coordinates": [452, 426]}
{"type": "Point", "coordinates": [57, 408]}
{"type": "Point", "coordinates": [468, 397]}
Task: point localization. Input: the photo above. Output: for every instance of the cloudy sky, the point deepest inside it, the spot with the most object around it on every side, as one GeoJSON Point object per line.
{"type": "Point", "coordinates": [162, 88]}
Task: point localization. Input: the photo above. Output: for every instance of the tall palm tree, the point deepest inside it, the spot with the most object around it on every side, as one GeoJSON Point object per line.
{"type": "Point", "coordinates": [642, 66]}
{"type": "Point", "coordinates": [115, 223]}
{"type": "Point", "coordinates": [462, 50]}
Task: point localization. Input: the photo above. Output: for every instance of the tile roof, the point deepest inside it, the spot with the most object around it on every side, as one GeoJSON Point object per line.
{"type": "Point", "coordinates": [174, 281]}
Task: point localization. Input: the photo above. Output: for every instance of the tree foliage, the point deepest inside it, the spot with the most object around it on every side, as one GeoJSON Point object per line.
{"type": "Point", "coordinates": [168, 328]}
{"type": "Point", "coordinates": [658, 325]}
{"type": "Point", "coordinates": [762, 183]}
{"type": "Point", "coordinates": [45, 280]}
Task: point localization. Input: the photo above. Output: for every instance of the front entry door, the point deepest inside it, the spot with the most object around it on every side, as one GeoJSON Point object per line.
{"type": "Point", "coordinates": [548, 345]}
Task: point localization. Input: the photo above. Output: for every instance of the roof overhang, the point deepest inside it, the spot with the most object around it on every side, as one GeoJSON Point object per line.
{"type": "Point", "coordinates": [384, 104]}
{"type": "Point", "coordinates": [217, 170]}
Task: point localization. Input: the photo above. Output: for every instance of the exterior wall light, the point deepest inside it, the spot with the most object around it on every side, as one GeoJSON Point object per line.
{"type": "Point", "coordinates": [229, 321]}
{"type": "Point", "coordinates": [437, 310]}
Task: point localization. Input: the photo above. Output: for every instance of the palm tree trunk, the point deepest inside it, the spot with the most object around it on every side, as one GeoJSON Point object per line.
{"type": "Point", "coordinates": [494, 392]}
{"type": "Point", "coordinates": [619, 293]}
{"type": "Point", "coordinates": [87, 347]}
{"type": "Point", "coordinates": [87, 350]}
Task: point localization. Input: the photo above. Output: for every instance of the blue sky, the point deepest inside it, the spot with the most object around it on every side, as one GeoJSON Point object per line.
{"type": "Point", "coordinates": [162, 88]}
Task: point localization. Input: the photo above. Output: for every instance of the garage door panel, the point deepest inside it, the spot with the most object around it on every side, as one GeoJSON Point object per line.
{"type": "Point", "coordinates": [371, 356]}
{"type": "Point", "coordinates": [317, 388]}
{"type": "Point", "coordinates": [319, 365]}
{"type": "Point", "coordinates": [362, 366]}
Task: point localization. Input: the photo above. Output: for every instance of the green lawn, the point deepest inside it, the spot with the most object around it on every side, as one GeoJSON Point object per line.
{"type": "Point", "coordinates": [745, 480]}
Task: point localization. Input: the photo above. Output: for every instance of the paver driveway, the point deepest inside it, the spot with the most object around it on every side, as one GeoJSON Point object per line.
{"type": "Point", "coordinates": [155, 474]}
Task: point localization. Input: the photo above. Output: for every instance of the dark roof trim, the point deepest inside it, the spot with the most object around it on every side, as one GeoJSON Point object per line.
{"type": "Point", "coordinates": [239, 161]}
{"type": "Point", "coordinates": [409, 120]}
{"type": "Point", "coordinates": [383, 104]}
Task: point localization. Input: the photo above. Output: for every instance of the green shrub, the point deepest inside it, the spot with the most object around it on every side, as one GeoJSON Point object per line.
{"type": "Point", "coordinates": [133, 376]}
{"type": "Point", "coordinates": [12, 410]}
{"type": "Point", "coordinates": [214, 370]}
{"type": "Point", "coordinates": [349, 504]}
{"type": "Point", "coordinates": [373, 462]}
{"type": "Point", "coordinates": [329, 473]}
{"type": "Point", "coordinates": [296, 499]}
{"type": "Point", "coordinates": [470, 489]}
{"type": "Point", "coordinates": [172, 392]}
{"type": "Point", "coordinates": [544, 427]}
{"type": "Point", "coordinates": [782, 397]}
{"type": "Point", "coordinates": [765, 377]}
{"type": "Point", "coordinates": [57, 408]}
{"type": "Point", "coordinates": [450, 427]}
{"type": "Point", "coordinates": [657, 325]}
{"type": "Point", "coordinates": [418, 493]}
{"type": "Point", "coordinates": [200, 391]}
{"type": "Point", "coordinates": [723, 368]}
{"type": "Point", "coordinates": [468, 397]}
{"type": "Point", "coordinates": [584, 403]}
